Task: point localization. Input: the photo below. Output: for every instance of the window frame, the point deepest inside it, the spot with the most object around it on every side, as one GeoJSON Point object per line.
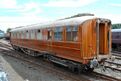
{"type": "Point", "coordinates": [72, 29]}
{"type": "Point", "coordinates": [59, 30]}
{"type": "Point", "coordinates": [39, 34]}
{"type": "Point", "coordinates": [49, 34]}
{"type": "Point", "coordinates": [32, 34]}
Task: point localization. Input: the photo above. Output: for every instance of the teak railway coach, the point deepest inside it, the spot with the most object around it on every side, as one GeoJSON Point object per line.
{"type": "Point", "coordinates": [81, 42]}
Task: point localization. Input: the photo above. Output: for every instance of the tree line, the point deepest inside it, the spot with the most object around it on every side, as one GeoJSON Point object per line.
{"type": "Point", "coordinates": [116, 26]}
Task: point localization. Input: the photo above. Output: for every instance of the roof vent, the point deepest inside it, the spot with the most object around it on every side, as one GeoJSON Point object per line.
{"type": "Point", "coordinates": [79, 15]}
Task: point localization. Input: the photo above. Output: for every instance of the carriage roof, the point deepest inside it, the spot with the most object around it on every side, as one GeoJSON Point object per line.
{"type": "Point", "coordinates": [116, 30]}
{"type": "Point", "coordinates": [57, 23]}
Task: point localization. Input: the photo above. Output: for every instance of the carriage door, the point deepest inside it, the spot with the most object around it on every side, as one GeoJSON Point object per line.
{"type": "Point", "coordinates": [49, 38]}
{"type": "Point", "coordinates": [103, 38]}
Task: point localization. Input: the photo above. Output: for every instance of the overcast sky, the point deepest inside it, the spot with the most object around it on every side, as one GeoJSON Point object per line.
{"type": "Point", "coordinates": [15, 13]}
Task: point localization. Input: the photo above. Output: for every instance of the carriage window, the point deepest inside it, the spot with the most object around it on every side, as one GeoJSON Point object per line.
{"type": "Point", "coordinates": [11, 35]}
{"type": "Point", "coordinates": [14, 35]}
{"type": "Point", "coordinates": [49, 34]}
{"type": "Point", "coordinates": [27, 34]}
{"type": "Point", "coordinates": [39, 35]}
{"type": "Point", "coordinates": [68, 33]}
{"type": "Point", "coordinates": [71, 33]}
{"type": "Point", "coordinates": [17, 35]}
{"type": "Point", "coordinates": [58, 33]}
{"type": "Point", "coordinates": [74, 33]}
{"type": "Point", "coordinates": [22, 35]}
{"type": "Point", "coordinates": [32, 32]}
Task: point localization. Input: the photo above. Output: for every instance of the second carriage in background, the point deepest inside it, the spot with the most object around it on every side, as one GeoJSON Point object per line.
{"type": "Point", "coordinates": [116, 39]}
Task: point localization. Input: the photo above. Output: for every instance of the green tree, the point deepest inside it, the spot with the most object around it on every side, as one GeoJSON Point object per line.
{"type": "Point", "coordinates": [8, 30]}
{"type": "Point", "coordinates": [116, 26]}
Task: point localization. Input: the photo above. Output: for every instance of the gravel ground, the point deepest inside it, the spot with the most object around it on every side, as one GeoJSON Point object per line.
{"type": "Point", "coordinates": [31, 73]}
{"type": "Point", "coordinates": [109, 72]}
{"type": "Point", "coordinates": [12, 74]}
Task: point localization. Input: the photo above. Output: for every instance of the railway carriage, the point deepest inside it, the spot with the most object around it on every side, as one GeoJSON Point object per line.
{"type": "Point", "coordinates": [116, 39]}
{"type": "Point", "coordinates": [78, 43]}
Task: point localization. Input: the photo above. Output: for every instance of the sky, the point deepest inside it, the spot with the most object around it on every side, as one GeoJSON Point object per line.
{"type": "Point", "coordinates": [15, 13]}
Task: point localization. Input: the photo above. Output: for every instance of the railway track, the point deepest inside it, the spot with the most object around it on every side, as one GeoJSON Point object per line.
{"type": "Point", "coordinates": [40, 63]}
{"type": "Point", "coordinates": [105, 77]}
{"type": "Point", "coordinates": [116, 53]}
{"type": "Point", "coordinates": [8, 46]}
{"type": "Point", "coordinates": [116, 63]}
